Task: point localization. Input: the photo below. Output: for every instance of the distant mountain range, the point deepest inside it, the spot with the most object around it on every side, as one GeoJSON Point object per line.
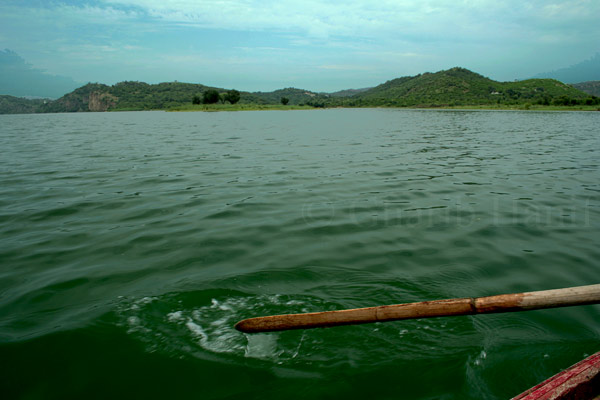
{"type": "Point", "coordinates": [453, 87]}
{"type": "Point", "coordinates": [591, 88]}
{"type": "Point", "coordinates": [18, 78]}
{"type": "Point", "coordinates": [588, 70]}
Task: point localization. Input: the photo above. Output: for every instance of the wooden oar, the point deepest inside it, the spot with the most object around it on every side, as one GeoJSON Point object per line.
{"type": "Point", "coordinates": [573, 296]}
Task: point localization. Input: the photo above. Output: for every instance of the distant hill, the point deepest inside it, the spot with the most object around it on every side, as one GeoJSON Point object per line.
{"type": "Point", "coordinates": [588, 70]}
{"type": "Point", "coordinates": [17, 78]}
{"type": "Point", "coordinates": [453, 87]}
{"type": "Point", "coordinates": [591, 87]}
{"type": "Point", "coordinates": [129, 95]}
{"type": "Point", "coordinates": [459, 86]}
{"type": "Point", "coordinates": [294, 95]}
{"type": "Point", "coordinates": [347, 92]}
{"type": "Point", "coordinates": [144, 96]}
{"type": "Point", "coordinates": [20, 105]}
{"type": "Point", "coordinates": [125, 96]}
{"type": "Point", "coordinates": [85, 98]}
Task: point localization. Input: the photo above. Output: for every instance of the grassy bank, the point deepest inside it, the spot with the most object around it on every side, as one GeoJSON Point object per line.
{"type": "Point", "coordinates": [524, 107]}
{"type": "Point", "coordinates": [237, 107]}
{"type": "Point", "coordinates": [258, 107]}
{"type": "Point", "coordinates": [519, 107]}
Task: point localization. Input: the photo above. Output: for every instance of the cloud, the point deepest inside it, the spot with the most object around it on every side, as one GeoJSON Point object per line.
{"type": "Point", "coordinates": [473, 21]}
{"type": "Point", "coordinates": [64, 14]}
{"type": "Point", "coordinates": [107, 40]}
{"type": "Point", "coordinates": [321, 19]}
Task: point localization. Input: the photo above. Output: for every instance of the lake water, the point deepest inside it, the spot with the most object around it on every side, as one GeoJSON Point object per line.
{"type": "Point", "coordinates": [130, 244]}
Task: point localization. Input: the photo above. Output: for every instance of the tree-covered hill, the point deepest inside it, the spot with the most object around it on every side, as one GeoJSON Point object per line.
{"type": "Point", "coordinates": [459, 86]}
{"type": "Point", "coordinates": [294, 95]}
{"type": "Point", "coordinates": [453, 87]}
{"type": "Point", "coordinates": [20, 105]}
{"type": "Point", "coordinates": [121, 96]}
{"type": "Point", "coordinates": [143, 96]}
{"type": "Point", "coordinates": [140, 95]}
{"type": "Point", "coordinates": [126, 96]}
{"type": "Point", "coordinates": [348, 92]}
{"type": "Point", "coordinates": [90, 97]}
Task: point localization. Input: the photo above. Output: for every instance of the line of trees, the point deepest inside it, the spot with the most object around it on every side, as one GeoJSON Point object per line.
{"type": "Point", "coordinates": [212, 96]}
{"type": "Point", "coordinates": [566, 101]}
{"type": "Point", "coordinates": [232, 96]}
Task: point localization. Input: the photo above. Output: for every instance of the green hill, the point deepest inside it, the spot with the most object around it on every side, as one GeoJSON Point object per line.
{"type": "Point", "coordinates": [459, 86]}
{"type": "Point", "coordinates": [126, 96]}
{"type": "Point", "coordinates": [143, 96]}
{"type": "Point", "coordinates": [347, 92]}
{"type": "Point", "coordinates": [294, 95]}
{"type": "Point", "coordinates": [20, 105]}
{"type": "Point", "coordinates": [453, 87]}
{"type": "Point", "coordinates": [85, 98]}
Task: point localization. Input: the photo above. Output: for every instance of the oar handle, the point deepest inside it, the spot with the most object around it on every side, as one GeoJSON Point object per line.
{"type": "Point", "coordinates": [573, 296]}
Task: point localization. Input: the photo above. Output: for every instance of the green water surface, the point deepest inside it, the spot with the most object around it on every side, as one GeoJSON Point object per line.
{"type": "Point", "coordinates": [130, 243]}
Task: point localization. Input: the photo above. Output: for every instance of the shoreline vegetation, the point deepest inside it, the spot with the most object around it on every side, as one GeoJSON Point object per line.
{"type": "Point", "coordinates": [276, 107]}
{"type": "Point", "coordinates": [456, 88]}
{"type": "Point", "coordinates": [236, 107]}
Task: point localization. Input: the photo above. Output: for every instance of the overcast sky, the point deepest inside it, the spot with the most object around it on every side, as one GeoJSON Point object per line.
{"type": "Point", "coordinates": [316, 45]}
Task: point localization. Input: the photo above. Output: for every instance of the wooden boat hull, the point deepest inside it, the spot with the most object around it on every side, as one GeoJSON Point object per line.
{"type": "Point", "coordinates": [580, 381]}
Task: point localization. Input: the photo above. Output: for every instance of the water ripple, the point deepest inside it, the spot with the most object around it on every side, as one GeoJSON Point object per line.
{"type": "Point", "coordinates": [172, 226]}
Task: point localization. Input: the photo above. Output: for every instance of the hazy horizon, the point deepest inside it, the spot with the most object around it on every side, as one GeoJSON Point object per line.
{"type": "Point", "coordinates": [264, 46]}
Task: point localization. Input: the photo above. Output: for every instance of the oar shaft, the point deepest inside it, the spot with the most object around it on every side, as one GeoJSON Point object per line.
{"type": "Point", "coordinates": [573, 296]}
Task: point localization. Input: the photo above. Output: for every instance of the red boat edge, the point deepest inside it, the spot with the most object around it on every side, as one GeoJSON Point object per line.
{"type": "Point", "coordinates": [580, 381]}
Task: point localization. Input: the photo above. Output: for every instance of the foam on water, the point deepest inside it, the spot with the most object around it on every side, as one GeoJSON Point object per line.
{"type": "Point", "coordinates": [174, 326]}
{"type": "Point", "coordinates": [164, 325]}
{"type": "Point", "coordinates": [263, 346]}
